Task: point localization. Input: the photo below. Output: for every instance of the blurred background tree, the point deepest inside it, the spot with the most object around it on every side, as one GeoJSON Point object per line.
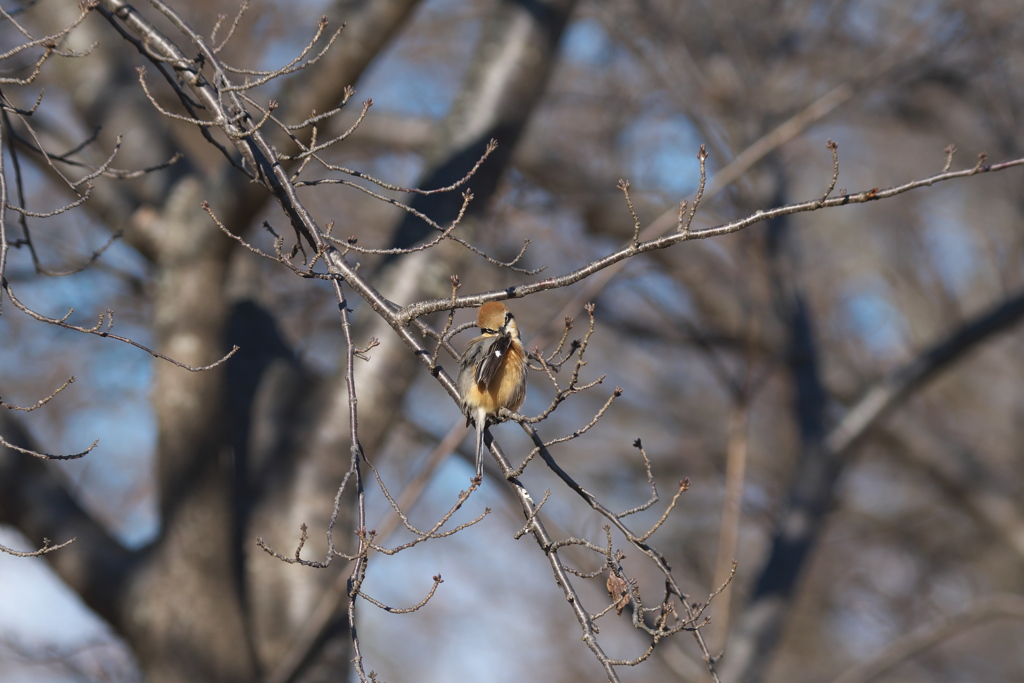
{"type": "Point", "coordinates": [842, 388]}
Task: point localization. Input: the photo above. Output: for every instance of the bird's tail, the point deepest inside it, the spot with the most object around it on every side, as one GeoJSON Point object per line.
{"type": "Point", "coordinates": [481, 422]}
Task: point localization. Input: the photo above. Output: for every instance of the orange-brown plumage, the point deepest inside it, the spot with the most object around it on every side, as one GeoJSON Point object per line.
{"type": "Point", "coordinates": [492, 372]}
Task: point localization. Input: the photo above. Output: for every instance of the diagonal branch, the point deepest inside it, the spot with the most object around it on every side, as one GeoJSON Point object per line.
{"type": "Point", "coordinates": [33, 500]}
{"type": "Point", "coordinates": [930, 635]}
{"type": "Point", "coordinates": [422, 308]}
{"type": "Point", "coordinates": [800, 528]}
{"type": "Point", "coordinates": [897, 386]}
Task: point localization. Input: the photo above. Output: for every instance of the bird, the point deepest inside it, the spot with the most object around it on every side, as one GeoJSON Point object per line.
{"type": "Point", "coordinates": [492, 372]}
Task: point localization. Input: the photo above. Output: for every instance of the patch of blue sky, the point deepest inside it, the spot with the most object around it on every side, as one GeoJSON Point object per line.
{"type": "Point", "coordinates": [303, 15]}
{"type": "Point", "coordinates": [42, 622]}
{"type": "Point", "coordinates": [661, 154]}
{"type": "Point", "coordinates": [398, 168]}
{"type": "Point", "coordinates": [111, 477]}
{"type": "Point", "coordinates": [869, 19]}
{"type": "Point", "coordinates": [124, 258]}
{"type": "Point", "coordinates": [949, 245]}
{"type": "Point", "coordinates": [118, 376]}
{"type": "Point", "coordinates": [586, 42]}
{"type": "Point", "coordinates": [872, 490]}
{"type": "Point", "coordinates": [868, 314]}
{"type": "Point", "coordinates": [54, 296]}
{"type": "Point", "coordinates": [864, 629]}
{"type": "Point", "coordinates": [410, 88]}
{"type": "Point", "coordinates": [36, 606]}
{"type": "Point", "coordinates": [818, 14]}
{"type": "Point", "coordinates": [757, 498]}
{"type": "Point", "coordinates": [642, 293]}
{"type": "Point", "coordinates": [403, 82]}
{"type": "Point", "coordinates": [109, 400]}
{"type": "Point", "coordinates": [664, 292]}
{"type": "Point", "coordinates": [119, 427]}
{"type": "Point", "coordinates": [84, 291]}
{"type": "Point", "coordinates": [110, 364]}
{"type": "Point", "coordinates": [468, 562]}
{"type": "Point", "coordinates": [316, 7]}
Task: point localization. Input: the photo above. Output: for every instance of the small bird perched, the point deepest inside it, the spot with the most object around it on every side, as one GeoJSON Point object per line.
{"type": "Point", "coordinates": [492, 372]}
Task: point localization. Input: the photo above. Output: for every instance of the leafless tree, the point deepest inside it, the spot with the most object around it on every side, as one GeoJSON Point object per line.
{"type": "Point", "coordinates": [829, 391]}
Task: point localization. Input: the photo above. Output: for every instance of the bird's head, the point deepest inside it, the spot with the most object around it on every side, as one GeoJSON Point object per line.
{"type": "Point", "coordinates": [494, 317]}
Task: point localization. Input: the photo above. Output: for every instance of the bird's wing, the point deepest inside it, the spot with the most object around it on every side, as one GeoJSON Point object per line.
{"type": "Point", "coordinates": [496, 353]}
